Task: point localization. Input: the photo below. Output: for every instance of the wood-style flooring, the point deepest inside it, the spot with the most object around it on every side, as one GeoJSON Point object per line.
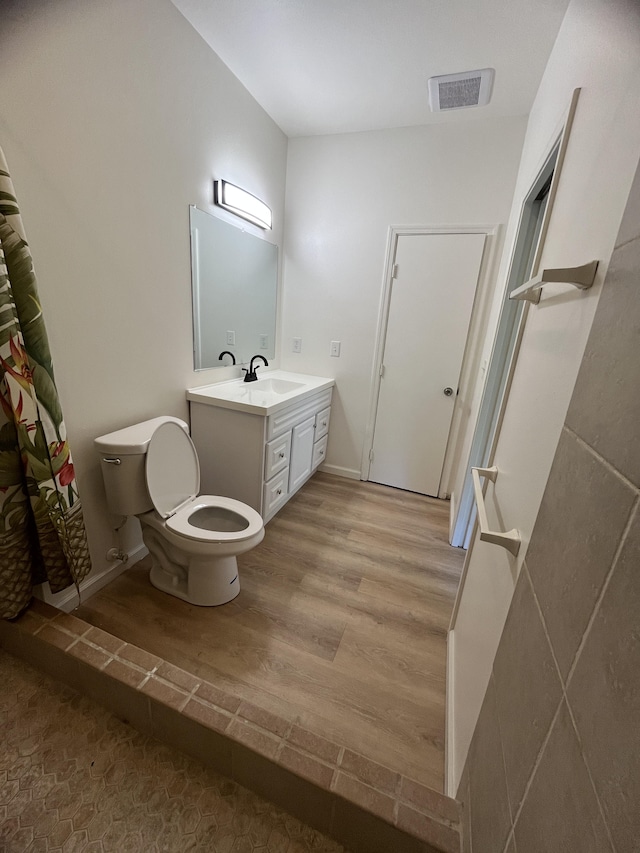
{"type": "Point", "coordinates": [340, 623]}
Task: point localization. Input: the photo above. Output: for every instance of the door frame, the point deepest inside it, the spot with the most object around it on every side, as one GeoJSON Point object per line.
{"type": "Point", "coordinates": [508, 335]}
{"type": "Point", "coordinates": [472, 345]}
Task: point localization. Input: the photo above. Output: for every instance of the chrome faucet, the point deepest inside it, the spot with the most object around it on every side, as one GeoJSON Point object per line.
{"type": "Point", "coordinates": [250, 374]}
{"type": "Point", "coordinates": [226, 352]}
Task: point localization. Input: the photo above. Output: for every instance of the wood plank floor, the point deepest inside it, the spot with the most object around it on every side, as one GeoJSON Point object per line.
{"type": "Point", "coordinates": [340, 623]}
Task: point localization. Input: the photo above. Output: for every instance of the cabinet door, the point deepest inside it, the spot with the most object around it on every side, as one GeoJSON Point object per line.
{"type": "Point", "coordinates": [301, 453]}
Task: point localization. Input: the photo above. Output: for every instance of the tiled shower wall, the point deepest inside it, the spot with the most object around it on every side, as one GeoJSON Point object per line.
{"type": "Point", "coordinates": [554, 764]}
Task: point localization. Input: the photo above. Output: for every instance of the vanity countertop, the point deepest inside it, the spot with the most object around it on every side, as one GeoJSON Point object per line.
{"type": "Point", "coordinates": [274, 390]}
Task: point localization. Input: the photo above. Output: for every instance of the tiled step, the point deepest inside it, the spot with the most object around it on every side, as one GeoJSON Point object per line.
{"type": "Point", "coordinates": [363, 805]}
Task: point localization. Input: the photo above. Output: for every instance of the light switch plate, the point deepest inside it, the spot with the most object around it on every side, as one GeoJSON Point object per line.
{"type": "Point", "coordinates": [297, 345]}
{"type": "Point", "coordinates": [335, 349]}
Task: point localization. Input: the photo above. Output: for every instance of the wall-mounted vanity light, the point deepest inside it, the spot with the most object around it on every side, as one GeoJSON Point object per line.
{"type": "Point", "coordinates": [242, 203]}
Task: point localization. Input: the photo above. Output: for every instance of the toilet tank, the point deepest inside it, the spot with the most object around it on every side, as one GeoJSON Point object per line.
{"type": "Point", "coordinates": [122, 459]}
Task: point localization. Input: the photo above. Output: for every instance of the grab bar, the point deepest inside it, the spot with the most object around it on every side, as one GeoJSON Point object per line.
{"type": "Point", "coordinates": [580, 277]}
{"type": "Point", "coordinates": [509, 540]}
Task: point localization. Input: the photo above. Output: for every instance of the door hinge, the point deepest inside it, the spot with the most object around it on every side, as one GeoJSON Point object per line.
{"type": "Point", "coordinates": [371, 455]}
{"type": "Point", "coordinates": [381, 371]}
{"type": "Point", "coordinates": [394, 271]}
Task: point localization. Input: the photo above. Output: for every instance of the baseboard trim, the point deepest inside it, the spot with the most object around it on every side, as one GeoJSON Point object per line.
{"type": "Point", "coordinates": [67, 600]}
{"type": "Point", "coordinates": [339, 471]}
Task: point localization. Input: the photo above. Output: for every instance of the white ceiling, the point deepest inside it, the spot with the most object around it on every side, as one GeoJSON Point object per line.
{"type": "Point", "coordinates": [336, 66]}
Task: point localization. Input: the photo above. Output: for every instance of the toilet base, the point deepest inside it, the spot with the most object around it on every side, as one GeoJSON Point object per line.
{"type": "Point", "coordinates": [219, 585]}
{"type": "Point", "coordinates": [206, 581]}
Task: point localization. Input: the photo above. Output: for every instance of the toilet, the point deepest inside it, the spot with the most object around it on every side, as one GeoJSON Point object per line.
{"type": "Point", "coordinates": [151, 470]}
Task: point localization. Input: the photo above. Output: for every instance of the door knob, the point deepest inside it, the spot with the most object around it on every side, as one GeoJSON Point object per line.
{"type": "Point", "coordinates": [448, 392]}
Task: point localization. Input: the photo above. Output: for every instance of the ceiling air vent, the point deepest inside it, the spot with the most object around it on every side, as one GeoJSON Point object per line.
{"type": "Point", "coordinates": [456, 91]}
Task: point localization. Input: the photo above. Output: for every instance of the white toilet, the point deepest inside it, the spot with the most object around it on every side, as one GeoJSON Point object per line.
{"type": "Point", "coordinates": [151, 470]}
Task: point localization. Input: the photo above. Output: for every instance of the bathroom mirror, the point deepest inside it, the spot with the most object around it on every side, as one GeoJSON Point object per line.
{"type": "Point", "coordinates": [234, 280]}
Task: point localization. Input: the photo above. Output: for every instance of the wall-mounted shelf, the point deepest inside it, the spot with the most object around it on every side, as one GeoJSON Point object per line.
{"type": "Point", "coordinates": [511, 538]}
{"type": "Point", "coordinates": [580, 277]}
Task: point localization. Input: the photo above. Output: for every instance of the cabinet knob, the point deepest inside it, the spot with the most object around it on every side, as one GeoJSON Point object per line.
{"type": "Point", "coordinates": [279, 492]}
{"type": "Point", "coordinates": [281, 455]}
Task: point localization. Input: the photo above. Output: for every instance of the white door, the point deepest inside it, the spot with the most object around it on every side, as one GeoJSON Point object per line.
{"type": "Point", "coordinates": [430, 308]}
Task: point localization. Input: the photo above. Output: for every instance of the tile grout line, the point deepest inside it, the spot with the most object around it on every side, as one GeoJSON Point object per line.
{"type": "Point", "coordinates": [588, 769]}
{"type": "Point", "coordinates": [563, 684]}
{"type": "Point", "coordinates": [594, 615]}
{"type": "Point", "coordinates": [504, 763]}
{"type": "Point", "coordinates": [633, 512]}
{"type": "Point", "coordinates": [604, 462]}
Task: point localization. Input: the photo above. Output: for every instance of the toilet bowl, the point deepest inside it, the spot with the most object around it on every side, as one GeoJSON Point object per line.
{"type": "Point", "coordinates": [151, 470]}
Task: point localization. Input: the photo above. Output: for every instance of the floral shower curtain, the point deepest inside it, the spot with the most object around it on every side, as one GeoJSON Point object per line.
{"type": "Point", "coordinates": [42, 535]}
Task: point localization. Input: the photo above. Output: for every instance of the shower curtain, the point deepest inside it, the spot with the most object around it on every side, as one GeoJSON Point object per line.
{"type": "Point", "coordinates": [42, 535]}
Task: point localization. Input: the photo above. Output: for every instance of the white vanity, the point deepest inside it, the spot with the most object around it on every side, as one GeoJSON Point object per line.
{"type": "Point", "coordinates": [260, 441]}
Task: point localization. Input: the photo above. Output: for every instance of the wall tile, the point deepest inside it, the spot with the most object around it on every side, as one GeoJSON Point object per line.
{"type": "Point", "coordinates": [427, 800]}
{"type": "Point", "coordinates": [584, 511]}
{"type": "Point", "coordinates": [209, 747]}
{"type": "Point", "coordinates": [560, 811]}
{"type": "Point", "coordinates": [605, 408]}
{"type": "Point", "coordinates": [302, 799]}
{"type": "Point", "coordinates": [604, 694]}
{"type": "Point", "coordinates": [491, 819]}
{"type": "Point", "coordinates": [528, 688]}
{"type": "Point", "coordinates": [362, 795]}
{"type": "Point", "coordinates": [362, 832]}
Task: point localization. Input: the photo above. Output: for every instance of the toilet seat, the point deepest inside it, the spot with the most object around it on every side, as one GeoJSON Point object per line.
{"type": "Point", "coordinates": [172, 472]}
{"type": "Point", "coordinates": [182, 520]}
{"type": "Point", "coordinates": [172, 469]}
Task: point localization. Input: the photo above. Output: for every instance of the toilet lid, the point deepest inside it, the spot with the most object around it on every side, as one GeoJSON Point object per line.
{"type": "Point", "coordinates": [172, 469]}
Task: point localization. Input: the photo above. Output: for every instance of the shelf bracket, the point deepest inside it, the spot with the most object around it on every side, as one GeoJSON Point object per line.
{"type": "Point", "coordinates": [580, 277]}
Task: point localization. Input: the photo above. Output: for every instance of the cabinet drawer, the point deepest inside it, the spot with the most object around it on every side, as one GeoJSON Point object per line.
{"type": "Point", "coordinates": [277, 455]}
{"type": "Point", "coordinates": [322, 422]}
{"type": "Point", "coordinates": [319, 452]}
{"type": "Point", "coordinates": [283, 421]}
{"type": "Point", "coordinates": [275, 492]}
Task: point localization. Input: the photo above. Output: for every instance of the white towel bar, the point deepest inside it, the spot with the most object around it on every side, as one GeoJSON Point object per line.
{"type": "Point", "coordinates": [509, 540]}
{"type": "Point", "coordinates": [580, 277]}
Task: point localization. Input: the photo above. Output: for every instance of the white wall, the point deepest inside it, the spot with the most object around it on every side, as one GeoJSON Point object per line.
{"type": "Point", "coordinates": [343, 194]}
{"type": "Point", "coordinates": [598, 49]}
{"type": "Point", "coordinates": [114, 117]}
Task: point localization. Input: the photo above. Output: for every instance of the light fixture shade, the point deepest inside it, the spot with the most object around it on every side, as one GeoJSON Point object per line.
{"type": "Point", "coordinates": [242, 203]}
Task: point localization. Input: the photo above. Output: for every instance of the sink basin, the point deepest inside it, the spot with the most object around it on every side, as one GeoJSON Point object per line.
{"type": "Point", "coordinates": [274, 386]}
{"type": "Point", "coordinates": [271, 393]}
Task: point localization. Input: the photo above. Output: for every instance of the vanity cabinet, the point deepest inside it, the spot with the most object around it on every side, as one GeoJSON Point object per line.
{"type": "Point", "coordinates": [260, 460]}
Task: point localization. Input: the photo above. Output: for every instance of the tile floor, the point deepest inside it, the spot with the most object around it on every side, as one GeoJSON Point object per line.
{"type": "Point", "coordinates": [75, 778]}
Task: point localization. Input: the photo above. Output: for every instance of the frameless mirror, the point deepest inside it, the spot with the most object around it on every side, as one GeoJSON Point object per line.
{"type": "Point", "coordinates": [234, 282]}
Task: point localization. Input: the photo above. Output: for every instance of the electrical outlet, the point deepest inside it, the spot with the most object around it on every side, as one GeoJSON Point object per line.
{"type": "Point", "coordinates": [231, 339]}
{"type": "Point", "coordinates": [297, 345]}
{"type": "Point", "coordinates": [264, 341]}
{"type": "Point", "coordinates": [335, 349]}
